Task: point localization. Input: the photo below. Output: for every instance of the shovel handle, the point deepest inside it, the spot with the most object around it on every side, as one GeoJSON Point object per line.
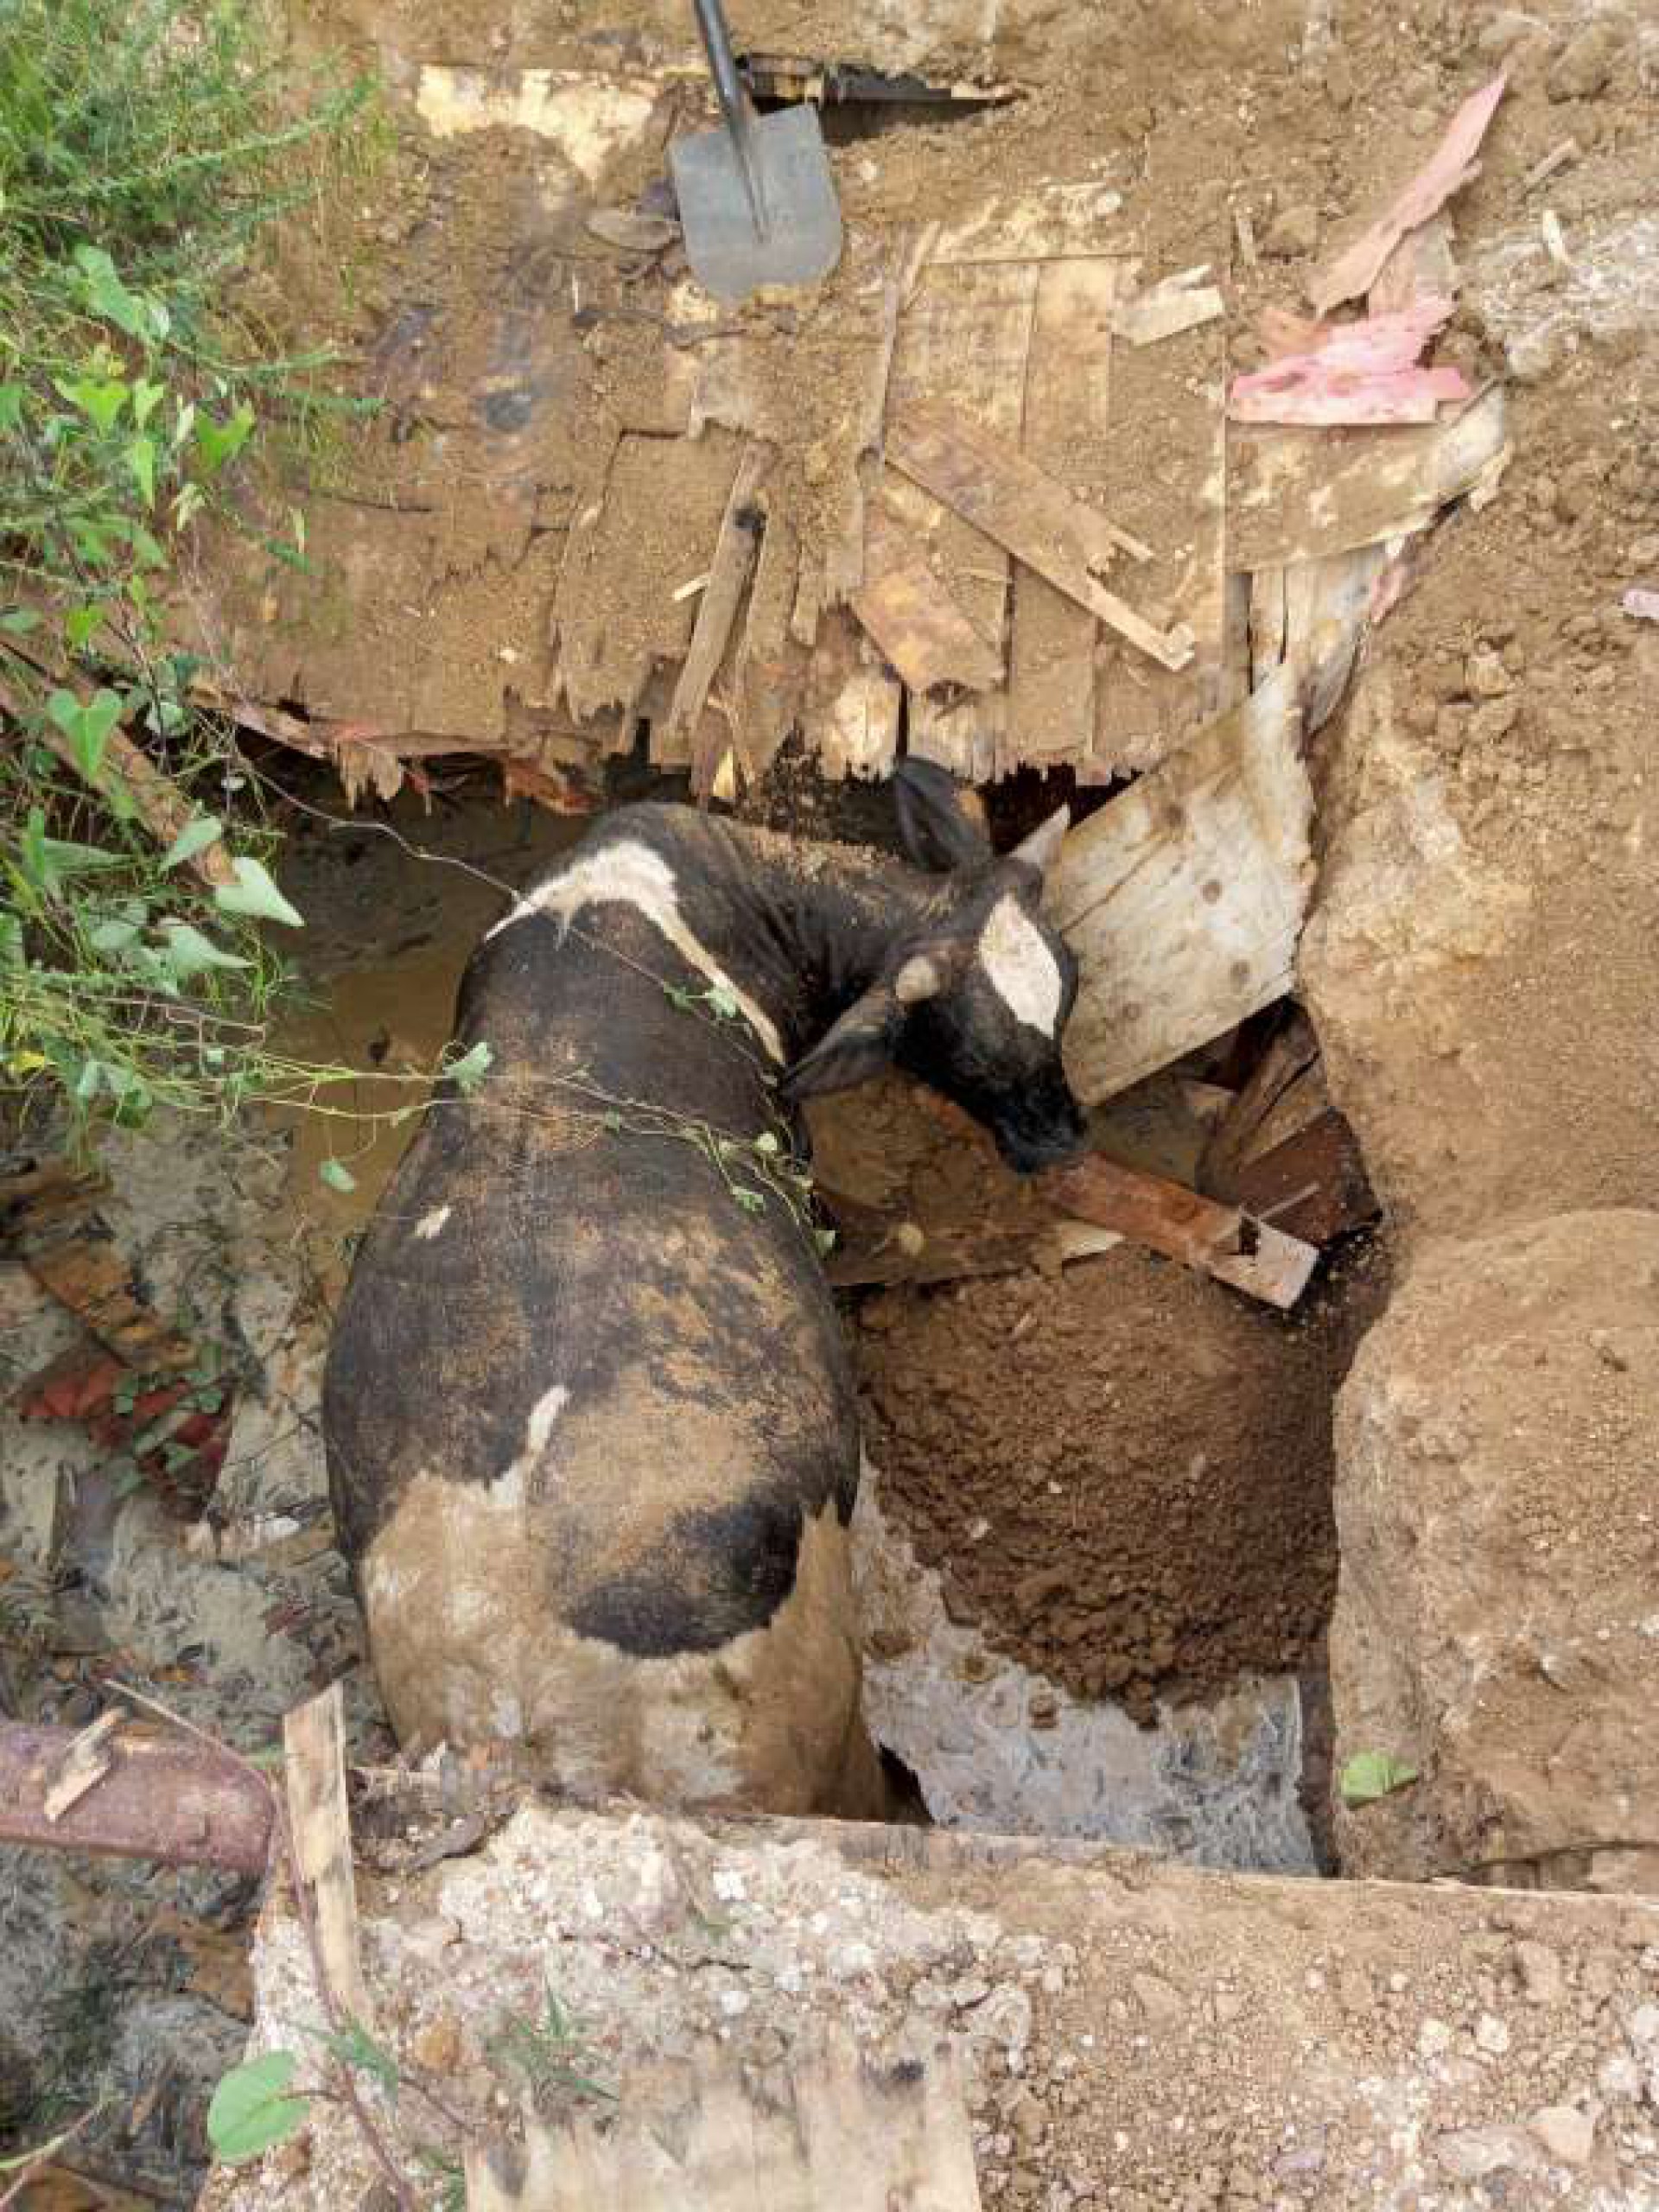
{"type": "Point", "coordinates": [734, 100]}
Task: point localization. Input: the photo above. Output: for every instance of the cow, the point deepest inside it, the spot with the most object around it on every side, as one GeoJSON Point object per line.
{"type": "Point", "coordinates": [590, 1414]}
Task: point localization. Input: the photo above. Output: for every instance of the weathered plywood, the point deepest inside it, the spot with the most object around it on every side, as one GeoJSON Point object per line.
{"type": "Point", "coordinates": [1303, 495]}
{"type": "Point", "coordinates": [964, 336]}
{"type": "Point", "coordinates": [770, 680]}
{"type": "Point", "coordinates": [717, 607]}
{"type": "Point", "coordinates": [314, 1752]}
{"type": "Point", "coordinates": [852, 701]}
{"type": "Point", "coordinates": [918, 628]}
{"type": "Point", "coordinates": [1056, 221]}
{"type": "Point", "coordinates": [658, 523]}
{"type": "Point", "coordinates": [1067, 422]}
{"type": "Point", "coordinates": [1024, 510]}
{"type": "Point", "coordinates": [1184, 897]}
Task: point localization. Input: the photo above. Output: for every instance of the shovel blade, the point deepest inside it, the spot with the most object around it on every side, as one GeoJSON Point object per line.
{"type": "Point", "coordinates": [801, 243]}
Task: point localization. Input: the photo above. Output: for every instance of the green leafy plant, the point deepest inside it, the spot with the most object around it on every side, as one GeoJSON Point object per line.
{"type": "Point", "coordinates": [144, 147]}
{"type": "Point", "coordinates": [1371, 1775]}
{"type": "Point", "coordinates": [544, 2051]}
{"type": "Point", "coordinates": [253, 2108]}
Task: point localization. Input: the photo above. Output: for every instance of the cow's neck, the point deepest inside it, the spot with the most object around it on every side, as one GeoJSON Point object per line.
{"type": "Point", "coordinates": [804, 927]}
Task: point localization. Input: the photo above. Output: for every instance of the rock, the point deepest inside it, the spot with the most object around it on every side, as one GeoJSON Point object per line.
{"type": "Point", "coordinates": [1620, 2076]}
{"type": "Point", "coordinates": [1501, 33]}
{"type": "Point", "coordinates": [1158, 2000]}
{"type": "Point", "coordinates": [1471, 2153]}
{"type": "Point", "coordinates": [1498, 1554]}
{"type": "Point", "coordinates": [1486, 674]}
{"type": "Point", "coordinates": [437, 2047]}
{"type": "Point", "coordinates": [1293, 232]}
{"type": "Point", "coordinates": [1540, 1969]}
{"type": "Point", "coordinates": [1491, 2036]}
{"type": "Point", "coordinates": [1567, 2134]}
{"type": "Point", "coordinates": [1584, 66]}
{"type": "Point", "coordinates": [1532, 352]}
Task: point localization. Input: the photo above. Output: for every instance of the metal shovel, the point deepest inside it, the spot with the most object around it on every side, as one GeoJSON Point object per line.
{"type": "Point", "coordinates": [757, 203]}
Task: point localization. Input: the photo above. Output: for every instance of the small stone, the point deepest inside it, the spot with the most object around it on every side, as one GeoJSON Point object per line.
{"type": "Point", "coordinates": [734, 2002]}
{"type": "Point", "coordinates": [1493, 721]}
{"type": "Point", "coordinates": [1158, 2000]}
{"type": "Point", "coordinates": [1227, 2006]}
{"type": "Point", "coordinates": [1501, 33]}
{"type": "Point", "coordinates": [1644, 2025]}
{"type": "Point", "coordinates": [1354, 1992]}
{"type": "Point", "coordinates": [437, 2047]}
{"type": "Point", "coordinates": [1585, 65]}
{"type": "Point", "coordinates": [1567, 2134]}
{"type": "Point", "coordinates": [1293, 231]}
{"type": "Point", "coordinates": [1619, 2076]}
{"type": "Point", "coordinates": [1028, 2120]}
{"type": "Point", "coordinates": [1434, 2038]}
{"type": "Point", "coordinates": [1491, 2036]}
{"type": "Point", "coordinates": [1471, 2153]}
{"type": "Point", "coordinates": [1531, 354]}
{"type": "Point", "coordinates": [1540, 1969]}
{"type": "Point", "coordinates": [1484, 674]}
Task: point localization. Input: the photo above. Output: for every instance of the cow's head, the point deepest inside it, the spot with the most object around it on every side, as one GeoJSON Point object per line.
{"type": "Point", "coordinates": [973, 996]}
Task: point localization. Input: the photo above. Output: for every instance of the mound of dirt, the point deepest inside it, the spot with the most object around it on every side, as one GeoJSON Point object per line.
{"type": "Point", "coordinates": [1123, 1473]}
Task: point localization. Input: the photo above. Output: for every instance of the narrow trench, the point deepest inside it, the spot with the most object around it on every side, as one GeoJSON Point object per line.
{"type": "Point", "coordinates": [1094, 1547]}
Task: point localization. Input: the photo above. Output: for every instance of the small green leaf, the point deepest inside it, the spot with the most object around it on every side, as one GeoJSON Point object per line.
{"type": "Point", "coordinates": [18, 621]}
{"type": "Point", "coordinates": [141, 459]}
{"type": "Point", "coordinates": [252, 2110]}
{"type": "Point", "coordinates": [337, 1175]}
{"type": "Point", "coordinates": [1370, 1775]}
{"type": "Point", "coordinates": [611, 1120]}
{"type": "Point", "coordinates": [218, 442]}
{"type": "Point", "coordinates": [194, 838]}
{"type": "Point", "coordinates": [723, 1000]}
{"type": "Point", "coordinates": [113, 936]}
{"type": "Point", "coordinates": [187, 952]}
{"type": "Point", "coordinates": [146, 397]}
{"type": "Point", "coordinates": [765, 1143]}
{"type": "Point", "coordinates": [254, 893]}
{"type": "Point", "coordinates": [751, 1201]}
{"type": "Point", "coordinates": [825, 1241]}
{"type": "Point", "coordinates": [11, 406]}
{"type": "Point", "coordinates": [678, 996]}
{"type": "Point", "coordinates": [99, 400]}
{"type": "Point", "coordinates": [469, 1071]}
{"type": "Point", "coordinates": [187, 504]}
{"type": "Point", "coordinates": [78, 624]}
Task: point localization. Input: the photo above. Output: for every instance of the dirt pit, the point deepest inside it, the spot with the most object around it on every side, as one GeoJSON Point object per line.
{"type": "Point", "coordinates": [1122, 1473]}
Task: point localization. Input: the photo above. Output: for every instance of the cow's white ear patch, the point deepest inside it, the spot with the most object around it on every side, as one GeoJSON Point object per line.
{"type": "Point", "coordinates": [1022, 971]}
{"type": "Point", "coordinates": [430, 1224]}
{"type": "Point", "coordinates": [511, 1485]}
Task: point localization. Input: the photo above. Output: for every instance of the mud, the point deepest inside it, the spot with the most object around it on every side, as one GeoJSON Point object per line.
{"type": "Point", "coordinates": [1123, 1474]}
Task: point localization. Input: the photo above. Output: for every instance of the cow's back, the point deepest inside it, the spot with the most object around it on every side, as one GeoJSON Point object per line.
{"type": "Point", "coordinates": [591, 1428]}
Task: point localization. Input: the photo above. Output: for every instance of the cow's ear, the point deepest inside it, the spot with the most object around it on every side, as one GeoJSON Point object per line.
{"type": "Point", "coordinates": [1042, 848]}
{"type": "Point", "coordinates": [859, 1045]}
{"type": "Point", "coordinates": [941, 823]}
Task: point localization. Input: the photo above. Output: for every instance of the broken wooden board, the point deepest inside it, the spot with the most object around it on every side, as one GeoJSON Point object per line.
{"type": "Point", "coordinates": [1311, 618]}
{"type": "Point", "coordinates": [717, 605]}
{"type": "Point", "coordinates": [1056, 222]}
{"type": "Point", "coordinates": [1220, 1240]}
{"type": "Point", "coordinates": [657, 522]}
{"type": "Point", "coordinates": [1162, 474]}
{"type": "Point", "coordinates": [770, 678]}
{"type": "Point", "coordinates": [319, 1828]}
{"type": "Point", "coordinates": [922, 633]}
{"type": "Point", "coordinates": [1304, 495]}
{"type": "Point", "coordinates": [1183, 898]}
{"type": "Point", "coordinates": [851, 717]}
{"type": "Point", "coordinates": [43, 1215]}
{"type": "Point", "coordinates": [845, 2134]}
{"type": "Point", "coordinates": [90, 1757]}
{"type": "Point", "coordinates": [1052, 641]}
{"type": "Point", "coordinates": [963, 335]}
{"type": "Point", "coordinates": [1164, 310]}
{"type": "Point", "coordinates": [1014, 503]}
{"type": "Point", "coordinates": [1313, 1186]}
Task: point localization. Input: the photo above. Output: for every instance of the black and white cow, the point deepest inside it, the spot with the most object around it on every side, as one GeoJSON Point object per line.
{"type": "Point", "coordinates": [591, 1425]}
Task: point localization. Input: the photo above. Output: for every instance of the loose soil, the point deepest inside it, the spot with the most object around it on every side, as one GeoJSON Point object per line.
{"type": "Point", "coordinates": [1123, 1472]}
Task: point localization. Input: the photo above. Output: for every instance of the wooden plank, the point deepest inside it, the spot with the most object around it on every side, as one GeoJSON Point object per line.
{"type": "Point", "coordinates": [1067, 423]}
{"type": "Point", "coordinates": [314, 1748]}
{"type": "Point", "coordinates": [921, 630]}
{"type": "Point", "coordinates": [1313, 1186]}
{"type": "Point", "coordinates": [1292, 1049]}
{"type": "Point", "coordinates": [176, 1802]}
{"type": "Point", "coordinates": [771, 674]}
{"type": "Point", "coordinates": [658, 521]}
{"type": "Point", "coordinates": [1057, 222]}
{"type": "Point", "coordinates": [1220, 1240]}
{"type": "Point", "coordinates": [853, 703]}
{"type": "Point", "coordinates": [1164, 310]}
{"type": "Point", "coordinates": [1183, 898]}
{"type": "Point", "coordinates": [1163, 476]}
{"type": "Point", "coordinates": [1302, 495]}
{"type": "Point", "coordinates": [717, 606]}
{"type": "Point", "coordinates": [1022, 510]}
{"type": "Point", "coordinates": [964, 336]}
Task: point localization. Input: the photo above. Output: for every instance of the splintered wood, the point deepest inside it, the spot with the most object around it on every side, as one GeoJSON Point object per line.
{"type": "Point", "coordinates": [844, 2134]}
{"type": "Point", "coordinates": [313, 1746]}
{"type": "Point", "coordinates": [1183, 898]}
